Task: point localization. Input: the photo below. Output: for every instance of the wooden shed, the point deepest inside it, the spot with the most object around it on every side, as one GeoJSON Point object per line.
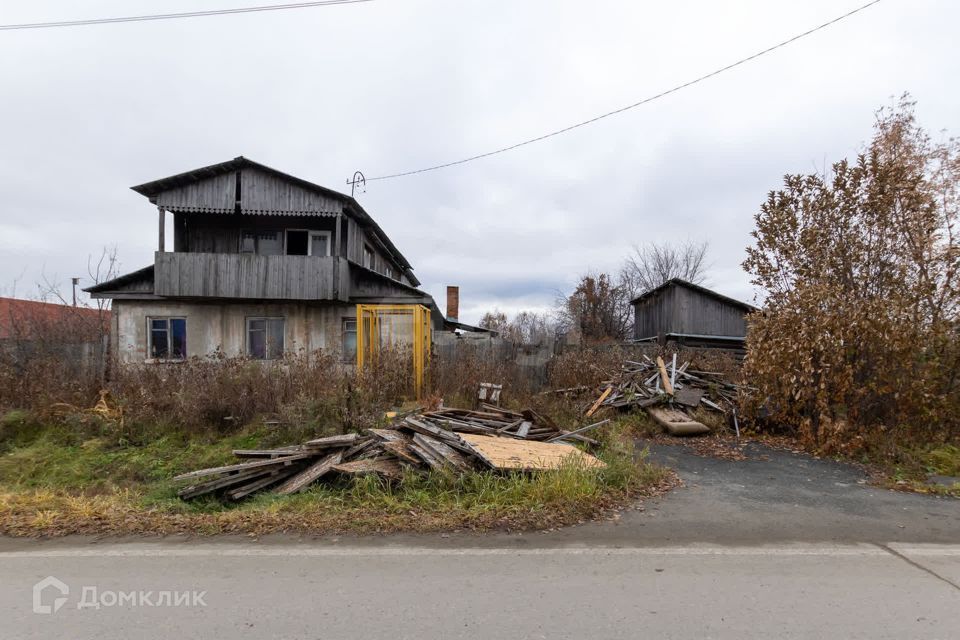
{"type": "Point", "coordinates": [687, 313]}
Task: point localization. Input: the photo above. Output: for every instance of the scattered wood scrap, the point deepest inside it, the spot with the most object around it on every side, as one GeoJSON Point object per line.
{"type": "Point", "coordinates": [420, 441]}
{"type": "Point", "coordinates": [652, 385]}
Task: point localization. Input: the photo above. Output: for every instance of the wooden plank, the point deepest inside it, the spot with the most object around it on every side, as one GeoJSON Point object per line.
{"type": "Point", "coordinates": [596, 405]}
{"type": "Point", "coordinates": [579, 431]}
{"type": "Point", "coordinates": [441, 450]}
{"type": "Point", "coordinates": [252, 487]}
{"type": "Point", "coordinates": [359, 447]}
{"type": "Point", "coordinates": [667, 387]}
{"type": "Point", "coordinates": [512, 425]}
{"type": "Point", "coordinates": [524, 429]}
{"type": "Point", "coordinates": [525, 455]}
{"type": "Point", "coordinates": [220, 483]}
{"type": "Point", "coordinates": [433, 461]}
{"type": "Point", "coordinates": [244, 466]}
{"type": "Point", "coordinates": [267, 453]}
{"type": "Point", "coordinates": [688, 396]}
{"type": "Point", "coordinates": [402, 450]}
{"type": "Point", "coordinates": [310, 474]}
{"type": "Point", "coordinates": [344, 440]}
{"type": "Point", "coordinates": [430, 430]}
{"type": "Point", "coordinates": [387, 435]}
{"type": "Point", "coordinates": [387, 467]}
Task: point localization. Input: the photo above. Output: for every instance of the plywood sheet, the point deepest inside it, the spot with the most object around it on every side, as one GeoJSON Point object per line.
{"type": "Point", "coordinates": [527, 455]}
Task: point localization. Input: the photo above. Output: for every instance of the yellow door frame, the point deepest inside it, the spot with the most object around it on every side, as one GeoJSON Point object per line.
{"type": "Point", "coordinates": [368, 336]}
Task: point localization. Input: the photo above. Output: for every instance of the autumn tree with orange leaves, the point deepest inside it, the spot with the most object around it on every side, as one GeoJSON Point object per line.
{"type": "Point", "coordinates": [859, 329]}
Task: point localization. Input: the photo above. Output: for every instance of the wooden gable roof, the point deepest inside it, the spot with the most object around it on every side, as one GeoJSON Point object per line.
{"type": "Point", "coordinates": [679, 282]}
{"type": "Point", "coordinates": [247, 187]}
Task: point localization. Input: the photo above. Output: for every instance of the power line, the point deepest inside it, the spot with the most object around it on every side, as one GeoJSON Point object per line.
{"type": "Point", "coordinates": [173, 16]}
{"type": "Point", "coordinates": [630, 106]}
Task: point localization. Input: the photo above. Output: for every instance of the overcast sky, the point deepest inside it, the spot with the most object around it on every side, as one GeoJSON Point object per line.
{"type": "Point", "coordinates": [393, 85]}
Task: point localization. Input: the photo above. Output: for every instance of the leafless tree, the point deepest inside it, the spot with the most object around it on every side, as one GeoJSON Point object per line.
{"type": "Point", "coordinates": [598, 308]}
{"type": "Point", "coordinates": [526, 327]}
{"type": "Point", "coordinates": [652, 264]}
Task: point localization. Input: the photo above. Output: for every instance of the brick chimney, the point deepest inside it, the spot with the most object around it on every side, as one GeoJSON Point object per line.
{"type": "Point", "coordinates": [453, 303]}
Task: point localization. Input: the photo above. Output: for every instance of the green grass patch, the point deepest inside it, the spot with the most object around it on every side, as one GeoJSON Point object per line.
{"type": "Point", "coordinates": [53, 483]}
{"type": "Point", "coordinates": [944, 460]}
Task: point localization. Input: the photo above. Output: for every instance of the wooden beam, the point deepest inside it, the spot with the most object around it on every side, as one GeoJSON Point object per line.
{"type": "Point", "coordinates": [163, 230]}
{"type": "Point", "coordinates": [310, 474]}
{"type": "Point", "coordinates": [336, 237]}
{"type": "Point", "coordinates": [578, 431]}
{"type": "Point", "coordinates": [667, 387]}
{"type": "Point", "coordinates": [245, 466]}
{"type": "Point", "coordinates": [596, 405]}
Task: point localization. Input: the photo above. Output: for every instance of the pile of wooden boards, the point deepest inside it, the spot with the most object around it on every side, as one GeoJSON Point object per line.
{"type": "Point", "coordinates": [666, 392]}
{"type": "Point", "coordinates": [456, 439]}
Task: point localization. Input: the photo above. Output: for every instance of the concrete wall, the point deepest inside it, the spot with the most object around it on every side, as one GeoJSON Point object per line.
{"type": "Point", "coordinates": [213, 324]}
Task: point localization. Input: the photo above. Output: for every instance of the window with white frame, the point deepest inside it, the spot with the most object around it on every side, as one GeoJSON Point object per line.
{"type": "Point", "coordinates": [265, 337]}
{"type": "Point", "coordinates": [262, 242]}
{"type": "Point", "coordinates": [306, 242]}
{"type": "Point", "coordinates": [320, 243]}
{"type": "Point", "coordinates": [167, 338]}
{"type": "Point", "coordinates": [349, 344]}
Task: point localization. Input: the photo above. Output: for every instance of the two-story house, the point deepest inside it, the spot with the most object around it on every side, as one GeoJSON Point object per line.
{"type": "Point", "coordinates": [263, 263]}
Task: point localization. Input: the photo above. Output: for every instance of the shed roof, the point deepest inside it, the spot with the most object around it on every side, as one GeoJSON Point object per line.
{"type": "Point", "coordinates": [155, 187]}
{"type": "Point", "coordinates": [146, 273]}
{"type": "Point", "coordinates": [679, 282]}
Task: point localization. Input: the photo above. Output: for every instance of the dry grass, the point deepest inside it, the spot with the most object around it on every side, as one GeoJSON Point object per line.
{"type": "Point", "coordinates": [51, 486]}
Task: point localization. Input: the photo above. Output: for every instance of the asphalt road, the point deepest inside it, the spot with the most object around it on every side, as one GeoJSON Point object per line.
{"type": "Point", "coordinates": [776, 496]}
{"type": "Point", "coordinates": [778, 545]}
{"type": "Point", "coordinates": [324, 590]}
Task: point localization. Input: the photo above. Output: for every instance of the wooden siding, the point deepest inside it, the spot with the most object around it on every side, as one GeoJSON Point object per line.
{"type": "Point", "coordinates": [264, 193]}
{"type": "Point", "coordinates": [247, 276]}
{"type": "Point", "coordinates": [369, 287]}
{"type": "Point", "coordinates": [213, 195]}
{"type": "Point", "coordinates": [260, 193]}
{"type": "Point", "coordinates": [678, 309]}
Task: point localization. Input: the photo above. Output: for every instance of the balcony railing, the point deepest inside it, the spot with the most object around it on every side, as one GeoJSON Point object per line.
{"type": "Point", "coordinates": [249, 276]}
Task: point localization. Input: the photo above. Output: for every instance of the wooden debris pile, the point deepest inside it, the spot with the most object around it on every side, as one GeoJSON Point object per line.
{"type": "Point", "coordinates": [650, 384]}
{"type": "Point", "coordinates": [456, 439]}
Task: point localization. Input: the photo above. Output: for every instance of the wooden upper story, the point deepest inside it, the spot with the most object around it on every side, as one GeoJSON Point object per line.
{"type": "Point", "coordinates": [244, 230]}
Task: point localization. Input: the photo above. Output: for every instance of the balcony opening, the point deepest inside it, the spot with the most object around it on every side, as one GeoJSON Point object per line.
{"type": "Point", "coordinates": [298, 243]}
{"type": "Point", "coordinates": [301, 242]}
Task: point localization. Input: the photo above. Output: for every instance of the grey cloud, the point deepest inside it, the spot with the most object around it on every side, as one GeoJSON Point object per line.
{"type": "Point", "coordinates": [389, 86]}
